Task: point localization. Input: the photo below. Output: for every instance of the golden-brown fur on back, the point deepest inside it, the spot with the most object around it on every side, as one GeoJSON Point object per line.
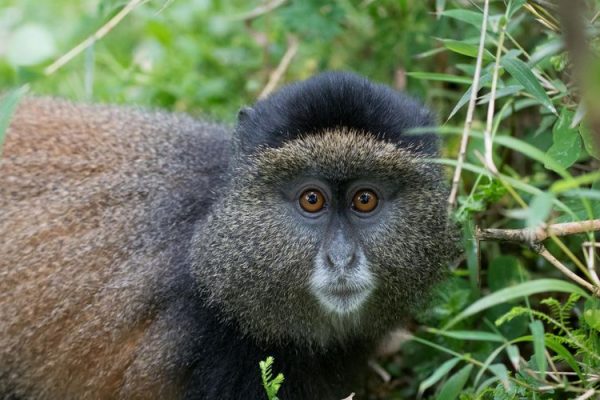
{"type": "Point", "coordinates": [76, 285]}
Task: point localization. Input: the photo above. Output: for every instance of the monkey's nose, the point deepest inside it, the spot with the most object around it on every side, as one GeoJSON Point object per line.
{"type": "Point", "coordinates": [338, 260]}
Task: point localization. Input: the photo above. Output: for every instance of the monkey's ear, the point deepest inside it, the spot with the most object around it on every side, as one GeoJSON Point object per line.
{"type": "Point", "coordinates": [244, 114]}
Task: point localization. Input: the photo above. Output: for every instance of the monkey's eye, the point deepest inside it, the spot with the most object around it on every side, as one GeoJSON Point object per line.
{"type": "Point", "coordinates": [365, 201]}
{"type": "Point", "coordinates": [312, 201]}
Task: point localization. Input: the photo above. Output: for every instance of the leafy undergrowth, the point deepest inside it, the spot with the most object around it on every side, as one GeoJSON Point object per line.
{"type": "Point", "coordinates": [519, 318]}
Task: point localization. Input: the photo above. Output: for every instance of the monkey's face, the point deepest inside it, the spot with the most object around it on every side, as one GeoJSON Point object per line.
{"type": "Point", "coordinates": [328, 236]}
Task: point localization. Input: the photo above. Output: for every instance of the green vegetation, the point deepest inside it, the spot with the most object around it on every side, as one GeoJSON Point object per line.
{"type": "Point", "coordinates": [270, 383]}
{"type": "Point", "coordinates": [519, 318]}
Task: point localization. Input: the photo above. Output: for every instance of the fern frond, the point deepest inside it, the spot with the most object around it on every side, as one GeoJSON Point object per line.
{"type": "Point", "coordinates": [271, 385]}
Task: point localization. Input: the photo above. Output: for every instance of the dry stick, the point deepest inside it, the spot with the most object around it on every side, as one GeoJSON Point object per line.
{"type": "Point", "coordinates": [539, 234]}
{"type": "Point", "coordinates": [587, 395]}
{"type": "Point", "coordinates": [590, 259]}
{"type": "Point", "coordinates": [541, 250]}
{"type": "Point", "coordinates": [487, 133]}
{"type": "Point", "coordinates": [100, 33]}
{"type": "Point", "coordinates": [470, 111]}
{"type": "Point", "coordinates": [534, 237]}
{"type": "Point", "coordinates": [276, 75]}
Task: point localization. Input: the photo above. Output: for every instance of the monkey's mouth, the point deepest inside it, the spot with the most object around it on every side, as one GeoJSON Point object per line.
{"type": "Point", "coordinates": [343, 299]}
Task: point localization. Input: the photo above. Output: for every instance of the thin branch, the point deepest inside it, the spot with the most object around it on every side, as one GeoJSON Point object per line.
{"type": "Point", "coordinates": [260, 10]}
{"type": "Point", "coordinates": [487, 133]}
{"type": "Point", "coordinates": [470, 111]}
{"type": "Point", "coordinates": [536, 235]}
{"type": "Point", "coordinates": [587, 395]}
{"type": "Point", "coordinates": [276, 75]}
{"type": "Point", "coordinates": [552, 260]}
{"type": "Point", "coordinates": [590, 258]}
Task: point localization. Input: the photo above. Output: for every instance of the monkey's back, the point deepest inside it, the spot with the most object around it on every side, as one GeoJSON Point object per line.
{"type": "Point", "coordinates": [93, 203]}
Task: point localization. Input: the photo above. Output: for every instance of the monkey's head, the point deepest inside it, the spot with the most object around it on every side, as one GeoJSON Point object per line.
{"type": "Point", "coordinates": [333, 224]}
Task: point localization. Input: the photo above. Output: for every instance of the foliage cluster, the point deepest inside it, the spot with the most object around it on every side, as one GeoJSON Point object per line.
{"type": "Point", "coordinates": [507, 324]}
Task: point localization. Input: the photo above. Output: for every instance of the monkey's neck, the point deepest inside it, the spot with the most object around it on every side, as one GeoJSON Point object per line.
{"type": "Point", "coordinates": [220, 362]}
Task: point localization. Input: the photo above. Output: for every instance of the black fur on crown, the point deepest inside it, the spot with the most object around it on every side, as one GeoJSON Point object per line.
{"type": "Point", "coordinates": [334, 100]}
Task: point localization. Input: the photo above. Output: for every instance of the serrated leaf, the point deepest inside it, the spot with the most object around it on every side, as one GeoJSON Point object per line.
{"type": "Point", "coordinates": [522, 74]}
{"type": "Point", "coordinates": [566, 141]}
{"type": "Point", "coordinates": [455, 384]}
{"type": "Point", "coordinates": [515, 292]}
{"type": "Point", "coordinates": [591, 141]}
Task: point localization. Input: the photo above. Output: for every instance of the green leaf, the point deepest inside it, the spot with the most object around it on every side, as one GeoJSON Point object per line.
{"type": "Point", "coordinates": [591, 313]}
{"type": "Point", "coordinates": [514, 6]}
{"type": "Point", "coordinates": [29, 45]}
{"type": "Point", "coordinates": [438, 374]}
{"type": "Point", "coordinates": [532, 152]}
{"type": "Point", "coordinates": [501, 372]}
{"type": "Point", "coordinates": [432, 76]}
{"type": "Point", "coordinates": [539, 209]}
{"type": "Point", "coordinates": [484, 80]}
{"type": "Point", "coordinates": [455, 384]}
{"type": "Point", "coordinates": [537, 331]}
{"type": "Point", "coordinates": [591, 141]}
{"type": "Point", "coordinates": [502, 92]}
{"type": "Point", "coordinates": [271, 385]}
{"type": "Point", "coordinates": [513, 355]}
{"type": "Point", "coordinates": [504, 271]}
{"type": "Point", "coordinates": [566, 142]}
{"type": "Point", "coordinates": [470, 17]}
{"type": "Point", "coordinates": [8, 105]}
{"type": "Point", "coordinates": [470, 335]}
{"type": "Point", "coordinates": [515, 292]}
{"type": "Point", "coordinates": [567, 184]}
{"type": "Point", "coordinates": [563, 353]}
{"type": "Point", "coordinates": [466, 49]}
{"type": "Point", "coordinates": [522, 73]}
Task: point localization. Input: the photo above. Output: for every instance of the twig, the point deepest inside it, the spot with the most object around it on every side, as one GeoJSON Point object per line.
{"type": "Point", "coordinates": [535, 237]}
{"type": "Point", "coordinates": [380, 371]}
{"type": "Point", "coordinates": [470, 111]}
{"type": "Point", "coordinates": [532, 236]}
{"type": "Point", "coordinates": [276, 75]}
{"type": "Point", "coordinates": [99, 34]}
{"type": "Point", "coordinates": [590, 258]}
{"type": "Point", "coordinates": [487, 133]}
{"type": "Point", "coordinates": [587, 395]}
{"type": "Point", "coordinates": [260, 10]}
{"type": "Point", "coordinates": [541, 250]}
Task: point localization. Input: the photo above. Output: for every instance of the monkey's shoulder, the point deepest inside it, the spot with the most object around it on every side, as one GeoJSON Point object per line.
{"type": "Point", "coordinates": [53, 126]}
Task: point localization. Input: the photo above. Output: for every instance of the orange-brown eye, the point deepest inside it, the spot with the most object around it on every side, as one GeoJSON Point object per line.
{"type": "Point", "coordinates": [365, 201]}
{"type": "Point", "coordinates": [312, 201]}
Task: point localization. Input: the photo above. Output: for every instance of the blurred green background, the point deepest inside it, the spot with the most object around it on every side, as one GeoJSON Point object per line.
{"type": "Point", "coordinates": [208, 58]}
{"type": "Point", "coordinates": [201, 56]}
